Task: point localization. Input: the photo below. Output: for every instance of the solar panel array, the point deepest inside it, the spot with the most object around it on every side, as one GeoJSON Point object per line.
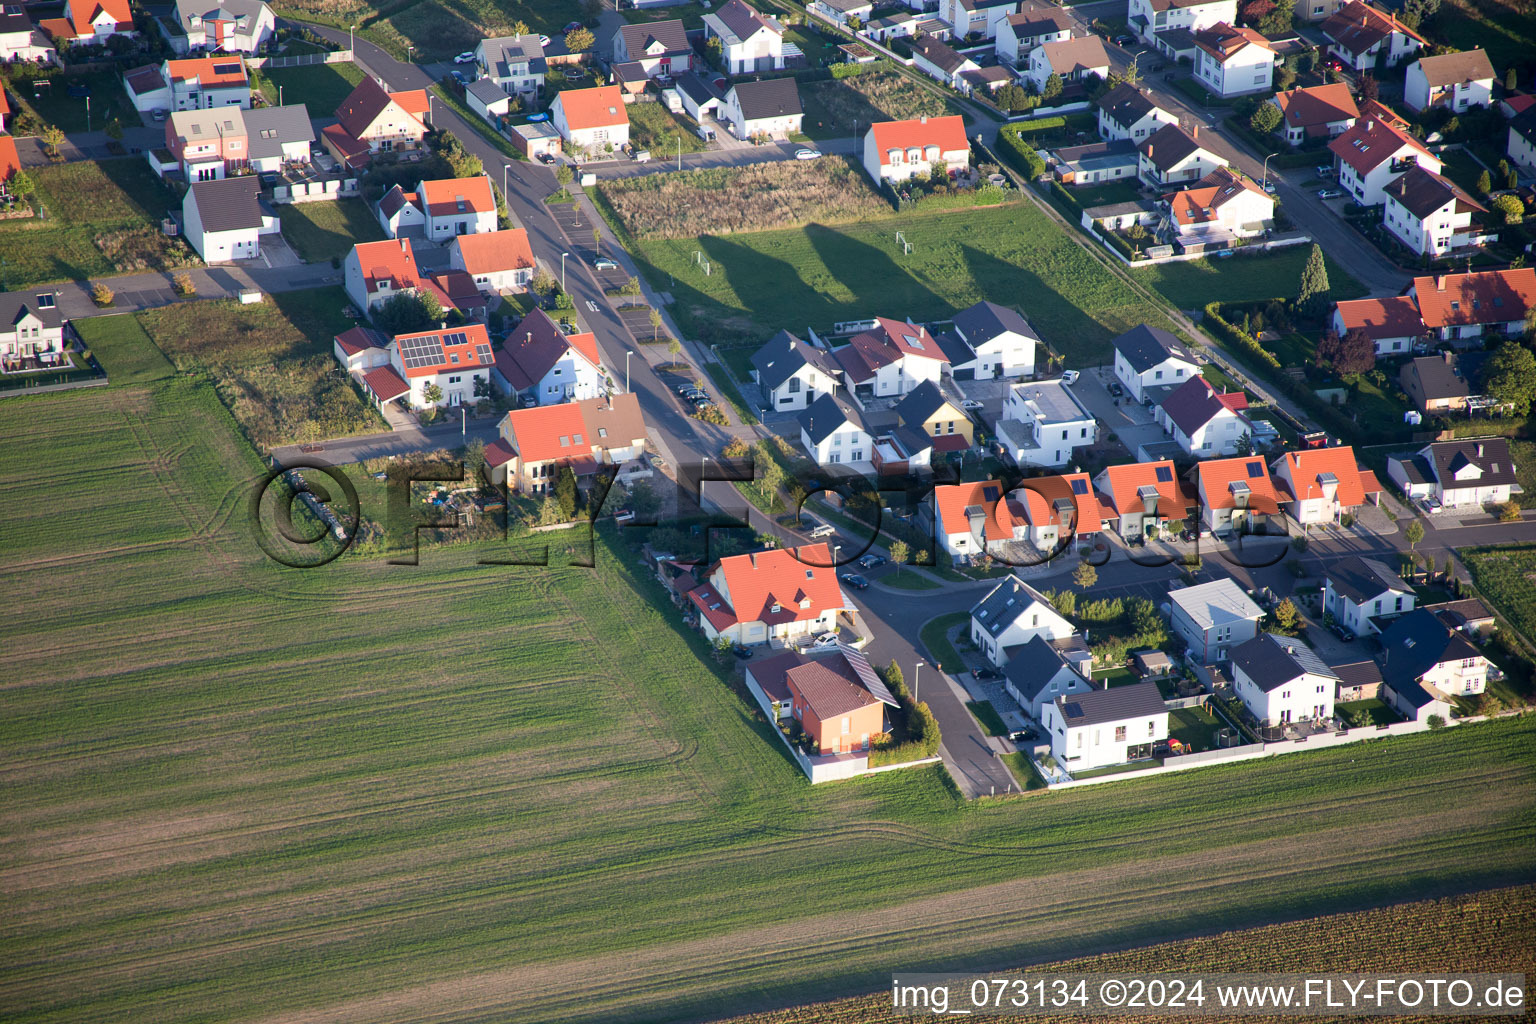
{"type": "Point", "coordinates": [1079, 486]}
{"type": "Point", "coordinates": [226, 69]}
{"type": "Point", "coordinates": [483, 353]}
{"type": "Point", "coordinates": [990, 493]}
{"type": "Point", "coordinates": [456, 338]}
{"type": "Point", "coordinates": [1255, 470]}
{"type": "Point", "coordinates": [1165, 474]}
{"type": "Point", "coordinates": [419, 352]}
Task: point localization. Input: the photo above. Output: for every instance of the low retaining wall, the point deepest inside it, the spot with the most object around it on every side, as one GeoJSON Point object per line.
{"type": "Point", "coordinates": [312, 191]}
{"type": "Point", "coordinates": [1276, 243]}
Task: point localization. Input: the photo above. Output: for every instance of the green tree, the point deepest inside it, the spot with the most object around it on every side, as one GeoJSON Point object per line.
{"type": "Point", "coordinates": [114, 130]}
{"type": "Point", "coordinates": [1314, 295]}
{"type": "Point", "coordinates": [1265, 119]}
{"type": "Point", "coordinates": [1509, 512]}
{"type": "Point", "coordinates": [1085, 575]}
{"type": "Point", "coordinates": [53, 137]}
{"type": "Point", "coordinates": [406, 313]}
{"type": "Point", "coordinates": [714, 53]}
{"type": "Point", "coordinates": [1510, 206]}
{"type": "Point", "coordinates": [520, 28]}
{"type": "Point", "coordinates": [474, 457]}
{"type": "Point", "coordinates": [431, 394]}
{"type": "Point", "coordinates": [642, 498]}
{"type": "Point", "coordinates": [565, 493]}
{"type": "Point", "coordinates": [1286, 618]}
{"type": "Point", "coordinates": [655, 318]}
{"type": "Point", "coordinates": [900, 553]}
{"type": "Point", "coordinates": [1484, 182]}
{"type": "Point", "coordinates": [579, 39]}
{"type": "Point", "coordinates": [549, 512]}
{"type": "Point", "coordinates": [21, 183]}
{"type": "Point", "coordinates": [1053, 87]}
{"type": "Point", "coordinates": [1511, 79]}
{"type": "Point", "coordinates": [1509, 375]}
{"type": "Point", "coordinates": [894, 679]}
{"type": "Point", "coordinates": [1413, 534]}
{"type": "Point", "coordinates": [563, 174]}
{"type": "Point", "coordinates": [597, 240]}
{"type": "Point", "coordinates": [543, 283]}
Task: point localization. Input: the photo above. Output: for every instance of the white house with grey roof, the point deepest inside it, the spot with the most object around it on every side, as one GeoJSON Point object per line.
{"type": "Point", "coordinates": [979, 17]}
{"type": "Point", "coordinates": [766, 109]}
{"type": "Point", "coordinates": [1213, 618]}
{"type": "Point", "coordinates": [1151, 362]}
{"type": "Point", "coordinates": [749, 40]}
{"type": "Point", "coordinates": [1463, 473]}
{"type": "Point", "coordinates": [993, 341]}
{"type": "Point", "coordinates": [834, 433]}
{"type": "Point", "coordinates": [515, 64]}
{"type": "Point", "coordinates": [1012, 615]}
{"type": "Point", "coordinates": [940, 61]}
{"type": "Point", "coordinates": [488, 99]}
{"type": "Point", "coordinates": [659, 47]}
{"type": "Point", "coordinates": [1043, 422]}
{"type": "Point", "coordinates": [1281, 680]}
{"type": "Point", "coordinates": [31, 330]}
{"type": "Point", "coordinates": [225, 219]}
{"type": "Point", "coordinates": [1205, 423]}
{"type": "Point", "coordinates": [276, 136]}
{"type": "Point", "coordinates": [231, 26]}
{"type": "Point", "coordinates": [1358, 592]}
{"type": "Point", "coordinates": [1106, 727]}
{"type": "Point", "coordinates": [1038, 673]}
{"type": "Point", "coordinates": [1126, 112]}
{"type": "Point", "coordinates": [792, 374]}
{"type": "Point", "coordinates": [1425, 664]}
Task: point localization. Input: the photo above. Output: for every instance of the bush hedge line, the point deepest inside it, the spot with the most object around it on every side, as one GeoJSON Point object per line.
{"type": "Point", "coordinates": [1019, 155]}
{"type": "Point", "coordinates": [922, 731]}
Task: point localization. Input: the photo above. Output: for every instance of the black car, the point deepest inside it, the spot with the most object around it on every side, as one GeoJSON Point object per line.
{"type": "Point", "coordinates": [985, 673]}
{"type": "Point", "coordinates": [1344, 633]}
{"type": "Point", "coordinates": [741, 652]}
{"type": "Point", "coordinates": [871, 561]}
{"type": "Point", "coordinates": [855, 581]}
{"type": "Point", "coordinates": [546, 158]}
{"type": "Point", "coordinates": [701, 401]}
{"type": "Point", "coordinates": [1116, 390]}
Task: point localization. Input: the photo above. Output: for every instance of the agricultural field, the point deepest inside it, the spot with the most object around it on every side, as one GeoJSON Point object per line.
{"type": "Point", "coordinates": [1242, 278]}
{"type": "Point", "coordinates": [723, 201]}
{"type": "Point", "coordinates": [103, 217]}
{"type": "Point", "coordinates": [456, 791]}
{"type": "Point", "coordinates": [434, 28]}
{"type": "Point", "coordinates": [653, 127]}
{"type": "Point", "coordinates": [323, 231]}
{"type": "Point", "coordinates": [763, 281]}
{"type": "Point", "coordinates": [835, 108]}
{"type": "Point", "coordinates": [1506, 577]}
{"type": "Point", "coordinates": [320, 87]}
{"type": "Point", "coordinates": [271, 362]}
{"type": "Point", "coordinates": [1491, 931]}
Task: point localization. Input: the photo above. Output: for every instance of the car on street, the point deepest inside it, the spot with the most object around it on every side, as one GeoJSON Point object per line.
{"type": "Point", "coordinates": [1269, 187]}
{"type": "Point", "coordinates": [1069, 376]}
{"type": "Point", "coordinates": [1124, 39]}
{"type": "Point", "coordinates": [971, 405]}
{"type": "Point", "coordinates": [1115, 388]}
{"type": "Point", "coordinates": [604, 263]}
{"type": "Point", "coordinates": [983, 672]}
{"type": "Point", "coordinates": [1323, 170]}
{"type": "Point", "coordinates": [467, 57]}
{"type": "Point", "coordinates": [823, 530]}
{"type": "Point", "coordinates": [854, 580]}
{"type": "Point", "coordinates": [1330, 193]}
{"type": "Point", "coordinates": [807, 154]}
{"type": "Point", "coordinates": [1344, 632]}
{"type": "Point", "coordinates": [544, 42]}
{"type": "Point", "coordinates": [871, 561]}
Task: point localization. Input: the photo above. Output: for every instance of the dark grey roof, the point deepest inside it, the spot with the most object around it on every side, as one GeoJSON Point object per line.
{"type": "Point", "coordinates": [920, 403]}
{"type": "Point", "coordinates": [825, 415]}
{"type": "Point", "coordinates": [1415, 468]}
{"type": "Point", "coordinates": [1125, 104]}
{"type": "Point", "coordinates": [1524, 124]}
{"type": "Point", "coordinates": [1139, 700]}
{"type": "Point", "coordinates": [1490, 454]}
{"type": "Point", "coordinates": [946, 58]}
{"type": "Point", "coordinates": [1358, 673]}
{"type": "Point", "coordinates": [1032, 666]}
{"type": "Point", "coordinates": [1271, 661]}
{"type": "Point", "coordinates": [1120, 149]}
{"type": "Point", "coordinates": [638, 38]}
{"type": "Point", "coordinates": [1168, 145]}
{"type": "Point", "coordinates": [955, 349]}
{"type": "Point", "coordinates": [778, 360]}
{"type": "Point", "coordinates": [776, 97]}
{"type": "Point", "coordinates": [1362, 579]}
{"type": "Point", "coordinates": [502, 52]}
{"type": "Point", "coordinates": [486, 91]}
{"type": "Point", "coordinates": [986, 320]}
{"type": "Point", "coordinates": [1192, 405]}
{"type": "Point", "coordinates": [1004, 603]}
{"type": "Point", "coordinates": [1416, 643]}
{"type": "Point", "coordinates": [14, 19]}
{"type": "Point", "coordinates": [227, 204]}
{"type": "Point", "coordinates": [268, 128]}
{"type": "Point", "coordinates": [1144, 347]}
{"type": "Point", "coordinates": [1466, 611]}
{"type": "Point", "coordinates": [699, 89]}
{"type": "Point", "coordinates": [13, 305]}
{"type": "Point", "coordinates": [1423, 193]}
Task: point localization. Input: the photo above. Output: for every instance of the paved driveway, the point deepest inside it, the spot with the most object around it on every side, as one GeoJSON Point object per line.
{"type": "Point", "coordinates": [1131, 423]}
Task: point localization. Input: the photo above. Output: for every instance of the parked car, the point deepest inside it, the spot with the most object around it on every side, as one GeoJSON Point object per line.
{"type": "Point", "coordinates": [1069, 376]}
{"type": "Point", "coordinates": [604, 263]}
{"type": "Point", "coordinates": [871, 561]}
{"type": "Point", "coordinates": [971, 405]}
{"type": "Point", "coordinates": [741, 652]}
{"type": "Point", "coordinates": [1344, 632]}
{"type": "Point", "coordinates": [1115, 389]}
{"type": "Point", "coordinates": [825, 640]}
{"type": "Point", "coordinates": [824, 530]}
{"type": "Point", "coordinates": [855, 581]}
{"type": "Point", "coordinates": [702, 401]}
{"type": "Point", "coordinates": [1269, 186]}
{"type": "Point", "coordinates": [807, 154]}
{"type": "Point", "coordinates": [544, 42]}
{"type": "Point", "coordinates": [1124, 39]}
{"type": "Point", "coordinates": [571, 27]}
{"type": "Point", "coordinates": [684, 388]}
{"type": "Point", "coordinates": [461, 77]}
{"type": "Point", "coordinates": [1330, 193]}
{"type": "Point", "coordinates": [467, 57]}
{"type": "Point", "coordinates": [1433, 503]}
{"type": "Point", "coordinates": [546, 158]}
{"type": "Point", "coordinates": [984, 672]}
{"type": "Point", "coordinates": [1323, 170]}
{"type": "Point", "coordinates": [642, 156]}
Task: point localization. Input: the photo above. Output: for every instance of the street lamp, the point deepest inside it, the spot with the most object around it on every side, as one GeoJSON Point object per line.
{"type": "Point", "coordinates": [917, 675]}
{"type": "Point", "coordinates": [626, 368]}
{"type": "Point", "coordinates": [562, 272]}
{"type": "Point", "coordinates": [408, 48]}
{"type": "Point", "coordinates": [506, 195]}
{"type": "Point", "coordinates": [87, 113]}
{"type": "Point", "coordinates": [351, 48]}
{"type": "Point", "coordinates": [1265, 174]}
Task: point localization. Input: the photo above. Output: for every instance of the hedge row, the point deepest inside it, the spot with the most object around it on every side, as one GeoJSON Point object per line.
{"type": "Point", "coordinates": [1245, 343]}
{"type": "Point", "coordinates": [846, 70]}
{"type": "Point", "coordinates": [1019, 155]}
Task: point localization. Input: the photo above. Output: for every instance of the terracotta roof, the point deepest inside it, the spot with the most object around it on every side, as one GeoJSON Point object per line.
{"type": "Point", "coordinates": [1193, 404]}
{"type": "Point", "coordinates": [1168, 146]}
{"type": "Point", "coordinates": [491, 251]}
{"type": "Point", "coordinates": [392, 260]}
{"type": "Point", "coordinates": [1395, 317]}
{"type": "Point", "coordinates": [827, 691]}
{"type": "Point", "coordinates": [365, 103]}
{"type": "Point", "coordinates": [1127, 479]}
{"type": "Point", "coordinates": [10, 160]}
{"type": "Point", "coordinates": [1071, 56]}
{"type": "Point", "coordinates": [1203, 202]}
{"type": "Point", "coordinates": [499, 453]}
{"type": "Point", "coordinates": [85, 12]}
{"type": "Point", "coordinates": [385, 383]}
{"type": "Point", "coordinates": [1306, 468]}
{"type": "Point", "coordinates": [1481, 297]}
{"type": "Point", "coordinates": [948, 133]}
{"type": "Point", "coordinates": [1456, 68]}
{"type": "Point", "coordinates": [1224, 41]}
{"type": "Point", "coordinates": [460, 288]}
{"type": "Point", "coordinates": [535, 345]}
{"type": "Point", "coordinates": [1047, 498]}
{"type": "Point", "coordinates": [143, 80]}
{"type": "Point", "coordinates": [1318, 106]}
{"type": "Point", "coordinates": [952, 500]}
{"type": "Point", "coordinates": [1371, 142]}
{"type": "Point", "coordinates": [427, 353]}
{"type": "Point", "coordinates": [889, 341]}
{"type": "Point", "coordinates": [574, 430]}
{"type": "Point", "coordinates": [353, 151]}
{"type": "Point", "coordinates": [1357, 27]}
{"type": "Point", "coordinates": [599, 107]}
{"type": "Point", "coordinates": [415, 102]}
{"type": "Point", "coordinates": [1447, 374]}
{"type": "Point", "coordinates": [1424, 193]}
{"type": "Point", "coordinates": [209, 71]}
{"type": "Point", "coordinates": [358, 339]}
{"type": "Point", "coordinates": [801, 581]}
{"type": "Point", "coordinates": [57, 28]}
{"type": "Point", "coordinates": [1216, 477]}
{"type": "Point", "coordinates": [447, 196]}
{"type": "Point", "coordinates": [5, 105]}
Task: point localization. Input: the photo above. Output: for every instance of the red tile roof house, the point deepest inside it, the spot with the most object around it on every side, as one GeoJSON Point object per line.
{"type": "Point", "coordinates": [1317, 112]}
{"type": "Point", "coordinates": [1204, 421]}
{"type": "Point", "coordinates": [1235, 493]}
{"type": "Point", "coordinates": [1319, 485]}
{"type": "Point", "coordinates": [1358, 33]}
{"type": "Point", "coordinates": [1375, 152]}
{"type": "Point", "coordinates": [898, 150]}
{"type": "Point", "coordinates": [975, 518]}
{"type": "Point", "coordinates": [375, 272]}
{"type": "Point", "coordinates": [90, 21]}
{"type": "Point", "coordinates": [1393, 324]}
{"type": "Point", "coordinates": [458, 360]}
{"type": "Point", "coordinates": [889, 360]}
{"type": "Point", "coordinates": [1147, 498]}
{"type": "Point", "coordinates": [535, 444]}
{"type": "Point", "coordinates": [837, 699]}
{"type": "Point", "coordinates": [1052, 504]}
{"type": "Point", "coordinates": [542, 365]}
{"type": "Point", "coordinates": [1222, 207]}
{"type": "Point", "coordinates": [441, 209]}
{"type": "Point", "coordinates": [372, 120]}
{"type": "Point", "coordinates": [198, 83]}
{"type": "Point", "coordinates": [779, 594]}
{"type": "Point", "coordinates": [591, 119]}
{"type": "Point", "coordinates": [1459, 307]}
{"type": "Point", "coordinates": [498, 261]}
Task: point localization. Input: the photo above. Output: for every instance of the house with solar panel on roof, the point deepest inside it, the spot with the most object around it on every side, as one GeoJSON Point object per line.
{"type": "Point", "coordinates": [1100, 728]}
{"type": "Point", "coordinates": [458, 360]}
{"type": "Point", "coordinates": [1235, 494]}
{"type": "Point", "coordinates": [1281, 680]}
{"type": "Point", "coordinates": [1152, 363]}
{"type": "Point", "coordinates": [1145, 499]}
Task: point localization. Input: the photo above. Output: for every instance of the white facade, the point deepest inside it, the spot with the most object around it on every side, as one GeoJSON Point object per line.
{"type": "Point", "coordinates": [1147, 17]}
{"type": "Point", "coordinates": [26, 44]}
{"type": "Point", "coordinates": [1418, 94]}
{"type": "Point", "coordinates": [1213, 618]}
{"type": "Point", "coordinates": [1399, 47]}
{"type": "Point", "coordinates": [1445, 230]}
{"type": "Point", "coordinates": [1043, 422]}
{"type": "Point", "coordinates": [847, 445]}
{"type": "Point", "coordinates": [1521, 150]}
{"type": "Point", "coordinates": [1192, 167]}
{"type": "Point", "coordinates": [802, 387]}
{"type": "Point", "coordinates": [1015, 49]}
{"type": "Point", "coordinates": [897, 378]}
{"type": "Point", "coordinates": [899, 164]}
{"type": "Point", "coordinates": [777, 126]}
{"type": "Point", "coordinates": [1369, 189]}
{"type": "Point", "coordinates": [983, 20]}
{"type": "Point", "coordinates": [1171, 370]}
{"type": "Point", "coordinates": [1467, 676]}
{"type": "Point", "coordinates": [252, 27]}
{"type": "Point", "coordinates": [1028, 619]}
{"type": "Point", "coordinates": [1222, 434]}
{"type": "Point", "coordinates": [1356, 615]}
{"type": "Point", "coordinates": [1112, 131]}
{"type": "Point", "coordinates": [1041, 67]}
{"type": "Point", "coordinates": [1080, 748]}
{"type": "Point", "coordinates": [761, 50]}
{"type": "Point", "coordinates": [1063, 683]}
{"type": "Point", "coordinates": [1308, 697]}
{"type": "Point", "coordinates": [1249, 69]}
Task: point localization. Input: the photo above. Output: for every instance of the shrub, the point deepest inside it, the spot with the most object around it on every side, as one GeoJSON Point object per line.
{"type": "Point", "coordinates": [1245, 343]}
{"type": "Point", "coordinates": [184, 284]}
{"type": "Point", "coordinates": [712, 414]}
{"type": "Point", "coordinates": [1013, 149]}
{"type": "Point", "coordinates": [102, 295]}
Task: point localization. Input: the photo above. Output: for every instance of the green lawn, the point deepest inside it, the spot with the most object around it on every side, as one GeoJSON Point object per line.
{"type": "Point", "coordinates": [320, 87]}
{"type": "Point", "coordinates": [1378, 711]}
{"type": "Point", "coordinates": [103, 217]}
{"type": "Point", "coordinates": [320, 232]}
{"type": "Point", "coordinates": [236, 791]}
{"type": "Point", "coordinates": [1106, 194]}
{"type": "Point", "coordinates": [1462, 168]}
{"type": "Point", "coordinates": [1504, 576]}
{"type": "Point", "coordinates": [1295, 348]}
{"type": "Point", "coordinates": [481, 126]}
{"type": "Point", "coordinates": [763, 281]}
{"type": "Point", "coordinates": [987, 715]}
{"type": "Point", "coordinates": [124, 350]}
{"type": "Point", "coordinates": [1244, 277]}
{"type": "Point", "coordinates": [1196, 727]}
{"type": "Point", "coordinates": [692, 14]}
{"type": "Point", "coordinates": [935, 637]}
{"type": "Point", "coordinates": [906, 579]}
{"type": "Point", "coordinates": [1024, 770]}
{"type": "Point", "coordinates": [1112, 677]}
{"type": "Point", "coordinates": [53, 104]}
{"type": "Point", "coordinates": [653, 127]}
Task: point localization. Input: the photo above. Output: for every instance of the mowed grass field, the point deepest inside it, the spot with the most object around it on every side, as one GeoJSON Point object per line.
{"type": "Point", "coordinates": [327, 230]}
{"type": "Point", "coordinates": [239, 792]}
{"type": "Point", "coordinates": [761, 282]}
{"type": "Point", "coordinates": [1492, 931]}
{"type": "Point", "coordinates": [320, 87]}
{"type": "Point", "coordinates": [1245, 277]}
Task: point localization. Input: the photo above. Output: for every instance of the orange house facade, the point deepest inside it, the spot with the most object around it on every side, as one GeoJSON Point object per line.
{"type": "Point", "coordinates": [835, 727]}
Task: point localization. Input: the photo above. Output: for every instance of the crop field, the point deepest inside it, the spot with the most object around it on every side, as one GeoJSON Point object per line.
{"type": "Point", "coordinates": [326, 230]}
{"type": "Point", "coordinates": [435, 28]}
{"type": "Point", "coordinates": [271, 362]}
{"type": "Point", "coordinates": [763, 281]}
{"type": "Point", "coordinates": [836, 107]}
{"type": "Point", "coordinates": [723, 201]}
{"type": "Point", "coordinates": [458, 791]}
{"type": "Point", "coordinates": [1491, 931]}
{"type": "Point", "coordinates": [1242, 278]}
{"type": "Point", "coordinates": [1506, 576]}
{"type": "Point", "coordinates": [103, 218]}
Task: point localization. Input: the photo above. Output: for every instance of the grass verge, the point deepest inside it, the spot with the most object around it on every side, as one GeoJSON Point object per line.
{"type": "Point", "coordinates": [935, 637]}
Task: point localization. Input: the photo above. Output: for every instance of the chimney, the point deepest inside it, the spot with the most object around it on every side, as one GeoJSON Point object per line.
{"type": "Point", "coordinates": [1149, 151]}
{"type": "Point", "coordinates": [1479, 449]}
{"type": "Point", "coordinates": [1447, 356]}
{"type": "Point", "coordinates": [1195, 133]}
{"type": "Point", "coordinates": [1440, 283]}
{"type": "Point", "coordinates": [405, 245]}
{"type": "Point", "coordinates": [923, 119]}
